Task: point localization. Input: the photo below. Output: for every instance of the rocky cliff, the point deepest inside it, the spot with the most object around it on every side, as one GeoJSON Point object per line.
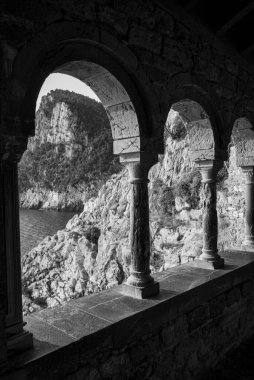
{"type": "Point", "coordinates": [92, 252]}
{"type": "Point", "coordinates": [70, 155]}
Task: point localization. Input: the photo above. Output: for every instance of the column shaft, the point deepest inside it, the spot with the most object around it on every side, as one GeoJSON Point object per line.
{"type": "Point", "coordinates": [210, 254]}
{"type": "Point", "coordinates": [139, 235]}
{"type": "Point", "coordinates": [210, 221]}
{"type": "Point", "coordinates": [140, 283]}
{"type": "Point", "coordinates": [17, 338]}
{"type": "Point", "coordinates": [3, 282]}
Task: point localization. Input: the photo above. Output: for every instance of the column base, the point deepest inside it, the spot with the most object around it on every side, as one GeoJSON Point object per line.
{"type": "Point", "coordinates": [140, 293]}
{"type": "Point", "coordinates": [20, 342]}
{"type": "Point", "coordinates": [217, 264]}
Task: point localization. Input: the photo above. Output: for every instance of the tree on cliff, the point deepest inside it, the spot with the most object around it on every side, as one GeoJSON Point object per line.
{"type": "Point", "coordinates": [45, 164]}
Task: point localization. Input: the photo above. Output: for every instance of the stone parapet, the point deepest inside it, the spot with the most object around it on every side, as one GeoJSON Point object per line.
{"type": "Point", "coordinates": [199, 315]}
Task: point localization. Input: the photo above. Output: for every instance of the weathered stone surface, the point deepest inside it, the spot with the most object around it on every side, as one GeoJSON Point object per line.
{"type": "Point", "coordinates": [243, 139]}
{"type": "Point", "coordinates": [120, 116]}
{"type": "Point", "coordinates": [201, 140]}
{"type": "Point", "coordinates": [129, 145]}
{"type": "Point", "coordinates": [188, 329]}
{"type": "Point", "coordinates": [150, 40]}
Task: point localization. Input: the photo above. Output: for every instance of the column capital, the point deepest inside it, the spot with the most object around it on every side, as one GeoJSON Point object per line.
{"type": "Point", "coordinates": [138, 165]}
{"type": "Point", "coordinates": [249, 174]}
{"type": "Point", "coordinates": [209, 169]}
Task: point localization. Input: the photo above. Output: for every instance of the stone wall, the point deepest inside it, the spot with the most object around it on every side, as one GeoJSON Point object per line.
{"type": "Point", "coordinates": [199, 316]}
{"type": "Point", "coordinates": [183, 348]}
{"type": "Point", "coordinates": [168, 56]}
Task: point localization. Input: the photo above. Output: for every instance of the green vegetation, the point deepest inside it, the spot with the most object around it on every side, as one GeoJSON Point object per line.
{"type": "Point", "coordinates": [188, 188]}
{"type": "Point", "coordinates": [176, 131]}
{"type": "Point", "coordinates": [221, 178]}
{"type": "Point", "coordinates": [48, 166]}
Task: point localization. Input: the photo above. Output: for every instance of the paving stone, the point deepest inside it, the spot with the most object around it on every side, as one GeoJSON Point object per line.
{"type": "Point", "coordinates": [74, 322]}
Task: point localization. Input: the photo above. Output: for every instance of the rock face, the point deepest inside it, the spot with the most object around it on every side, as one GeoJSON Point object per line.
{"type": "Point", "coordinates": [87, 256]}
{"type": "Point", "coordinates": [92, 253]}
{"type": "Point", "coordinates": [231, 204]}
{"type": "Point", "coordinates": [57, 129]}
{"type": "Point", "coordinates": [70, 155]}
{"type": "Point", "coordinates": [72, 199]}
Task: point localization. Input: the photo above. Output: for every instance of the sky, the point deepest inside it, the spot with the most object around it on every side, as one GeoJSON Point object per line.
{"type": "Point", "coordinates": [64, 82]}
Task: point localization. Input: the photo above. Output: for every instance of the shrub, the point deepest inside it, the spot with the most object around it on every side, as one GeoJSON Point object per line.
{"type": "Point", "coordinates": [221, 177]}
{"type": "Point", "coordinates": [163, 196]}
{"type": "Point", "coordinates": [188, 188]}
{"type": "Point", "coordinates": [167, 199]}
{"type": "Point", "coordinates": [177, 130]}
{"type": "Point", "coordinates": [25, 289]}
{"type": "Point", "coordinates": [40, 301]}
{"type": "Point", "coordinates": [92, 234]}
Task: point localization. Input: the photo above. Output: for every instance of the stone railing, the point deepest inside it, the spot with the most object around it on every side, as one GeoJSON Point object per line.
{"type": "Point", "coordinates": [198, 317]}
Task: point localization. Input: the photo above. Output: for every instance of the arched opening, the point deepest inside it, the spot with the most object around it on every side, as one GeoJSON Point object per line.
{"type": "Point", "coordinates": [176, 196]}
{"type": "Point", "coordinates": [126, 139]}
{"type": "Point", "coordinates": [94, 260]}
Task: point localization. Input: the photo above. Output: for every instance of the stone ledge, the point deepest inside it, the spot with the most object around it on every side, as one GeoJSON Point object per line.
{"type": "Point", "coordinates": [68, 335]}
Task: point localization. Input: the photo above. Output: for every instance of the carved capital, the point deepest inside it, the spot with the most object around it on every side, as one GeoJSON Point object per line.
{"type": "Point", "coordinates": [12, 147]}
{"type": "Point", "coordinates": [138, 165]}
{"type": "Point", "coordinates": [209, 169]}
{"type": "Point", "coordinates": [249, 174]}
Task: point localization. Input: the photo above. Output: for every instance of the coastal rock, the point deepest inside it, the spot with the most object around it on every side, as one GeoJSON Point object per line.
{"type": "Point", "coordinates": [92, 253]}
{"type": "Point", "coordinates": [70, 155]}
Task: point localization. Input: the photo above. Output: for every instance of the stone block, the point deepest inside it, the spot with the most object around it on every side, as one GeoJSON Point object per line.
{"type": "Point", "coordinates": [116, 365]}
{"type": "Point", "coordinates": [123, 120]}
{"type": "Point", "coordinates": [175, 53]}
{"type": "Point", "coordinates": [165, 23]}
{"type": "Point", "coordinates": [134, 9]}
{"type": "Point", "coordinates": [128, 145]}
{"type": "Point", "coordinates": [246, 288]}
{"type": "Point", "coordinates": [174, 332]}
{"type": "Point", "coordinates": [233, 296]}
{"type": "Point", "coordinates": [217, 305]}
{"type": "Point", "coordinates": [145, 38]}
{"type": "Point", "coordinates": [116, 19]}
{"type": "Point", "coordinates": [198, 316]}
{"type": "Point", "coordinates": [108, 88]}
{"type": "Point", "coordinates": [149, 346]}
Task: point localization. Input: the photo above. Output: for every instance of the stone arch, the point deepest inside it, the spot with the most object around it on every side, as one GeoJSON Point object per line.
{"type": "Point", "coordinates": [197, 127]}
{"type": "Point", "coordinates": [185, 88]}
{"type": "Point", "coordinates": [242, 135]}
{"type": "Point", "coordinates": [243, 139]}
{"type": "Point", "coordinates": [96, 57]}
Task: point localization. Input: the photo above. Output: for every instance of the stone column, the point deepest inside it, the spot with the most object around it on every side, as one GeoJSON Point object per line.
{"type": "Point", "coordinates": [249, 201]}
{"type": "Point", "coordinates": [17, 338]}
{"type": "Point", "coordinates": [140, 284]}
{"type": "Point", "coordinates": [3, 286]}
{"type": "Point", "coordinates": [210, 257]}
